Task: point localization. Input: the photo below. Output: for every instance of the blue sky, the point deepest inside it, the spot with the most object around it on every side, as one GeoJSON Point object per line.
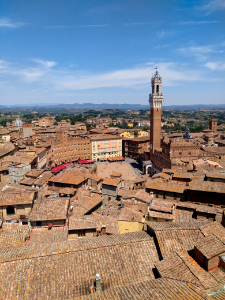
{"type": "Point", "coordinates": [102, 51]}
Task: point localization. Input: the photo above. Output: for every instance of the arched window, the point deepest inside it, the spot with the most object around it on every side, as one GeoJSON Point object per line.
{"type": "Point", "coordinates": [157, 89]}
{"type": "Point", "coordinates": [10, 210]}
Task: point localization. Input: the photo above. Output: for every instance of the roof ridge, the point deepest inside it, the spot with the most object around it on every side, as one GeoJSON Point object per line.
{"type": "Point", "coordinates": [66, 247]}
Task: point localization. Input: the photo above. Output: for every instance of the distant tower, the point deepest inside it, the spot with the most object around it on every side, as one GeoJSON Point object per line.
{"type": "Point", "coordinates": [155, 100]}
{"type": "Point", "coordinates": [213, 125]}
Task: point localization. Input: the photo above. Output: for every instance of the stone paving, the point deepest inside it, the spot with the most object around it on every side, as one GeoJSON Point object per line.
{"type": "Point", "coordinates": [106, 169]}
{"type": "Point", "coordinates": [134, 165]}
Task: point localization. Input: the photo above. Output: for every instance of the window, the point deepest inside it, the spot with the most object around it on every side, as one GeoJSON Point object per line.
{"type": "Point", "coordinates": [175, 196]}
{"type": "Point", "coordinates": [180, 153]}
{"type": "Point", "coordinates": [164, 196]}
{"type": "Point", "coordinates": [81, 233]}
{"type": "Point", "coordinates": [38, 223]}
{"type": "Point", "coordinates": [10, 210]}
{"type": "Point", "coordinates": [157, 88]}
{"type": "Point", "coordinates": [189, 153]}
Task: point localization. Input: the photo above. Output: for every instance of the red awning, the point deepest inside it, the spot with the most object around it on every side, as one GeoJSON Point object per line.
{"type": "Point", "coordinates": [61, 167]}
{"type": "Point", "coordinates": [85, 161]}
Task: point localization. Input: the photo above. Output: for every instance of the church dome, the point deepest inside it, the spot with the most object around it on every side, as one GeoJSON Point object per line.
{"type": "Point", "coordinates": [18, 122]}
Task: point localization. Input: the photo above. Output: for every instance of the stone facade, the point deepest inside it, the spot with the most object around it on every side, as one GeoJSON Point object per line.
{"type": "Point", "coordinates": [17, 172]}
{"type": "Point", "coordinates": [27, 129]}
{"type": "Point", "coordinates": [213, 125]}
{"type": "Point", "coordinates": [133, 148]}
{"type": "Point", "coordinates": [105, 146]}
{"type": "Point", "coordinates": [109, 191]}
{"type": "Point", "coordinates": [67, 150]}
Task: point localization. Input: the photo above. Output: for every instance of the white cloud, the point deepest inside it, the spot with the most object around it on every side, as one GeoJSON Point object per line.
{"type": "Point", "coordinates": [197, 49]}
{"type": "Point", "coordinates": [5, 22]}
{"type": "Point", "coordinates": [215, 66]}
{"type": "Point", "coordinates": [45, 63]}
{"type": "Point", "coordinates": [201, 53]}
{"type": "Point", "coordinates": [27, 74]}
{"type": "Point", "coordinates": [78, 26]}
{"type": "Point", "coordinates": [212, 6]}
{"type": "Point", "coordinates": [3, 64]}
{"type": "Point", "coordinates": [140, 23]}
{"type": "Point", "coordinates": [135, 77]}
{"type": "Point", "coordinates": [194, 22]}
{"type": "Point", "coordinates": [97, 25]}
{"type": "Point", "coordinates": [161, 34]}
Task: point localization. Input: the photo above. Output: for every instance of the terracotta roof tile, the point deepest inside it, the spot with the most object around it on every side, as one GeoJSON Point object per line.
{"type": "Point", "coordinates": [166, 186]}
{"type": "Point", "coordinates": [177, 240]}
{"type": "Point", "coordinates": [141, 178]}
{"type": "Point", "coordinates": [49, 209]}
{"type": "Point", "coordinates": [210, 246]}
{"type": "Point", "coordinates": [6, 148]}
{"type": "Point", "coordinates": [121, 213]}
{"type": "Point", "coordinates": [162, 215]}
{"type": "Point", "coordinates": [111, 181]}
{"type": "Point", "coordinates": [68, 269]}
{"type": "Point", "coordinates": [149, 290]}
{"type": "Point", "coordinates": [43, 178]}
{"type": "Point", "coordinates": [28, 181]}
{"type": "Point", "coordinates": [84, 204]}
{"type": "Point", "coordinates": [67, 191]}
{"type": "Point", "coordinates": [160, 226]}
{"type": "Point", "coordinates": [219, 175]}
{"type": "Point", "coordinates": [13, 235]}
{"type": "Point", "coordinates": [95, 220]}
{"type": "Point", "coordinates": [34, 173]}
{"type": "Point", "coordinates": [174, 237]}
{"type": "Point", "coordinates": [16, 198]}
{"type": "Point", "coordinates": [218, 274]}
{"type": "Point", "coordinates": [207, 186]}
{"type": "Point", "coordinates": [181, 266]}
{"type": "Point", "coordinates": [215, 228]}
{"type": "Point", "coordinates": [44, 235]}
{"type": "Point", "coordinates": [73, 177]}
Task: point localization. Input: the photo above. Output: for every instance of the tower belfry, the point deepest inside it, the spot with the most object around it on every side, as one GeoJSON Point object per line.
{"type": "Point", "coordinates": [155, 100]}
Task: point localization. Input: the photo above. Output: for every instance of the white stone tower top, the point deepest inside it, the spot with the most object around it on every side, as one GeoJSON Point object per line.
{"type": "Point", "coordinates": [156, 97]}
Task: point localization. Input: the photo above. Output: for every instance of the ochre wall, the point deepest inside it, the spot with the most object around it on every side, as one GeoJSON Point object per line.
{"type": "Point", "coordinates": [125, 226]}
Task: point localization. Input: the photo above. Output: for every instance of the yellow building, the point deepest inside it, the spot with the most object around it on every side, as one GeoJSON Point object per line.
{"type": "Point", "coordinates": [5, 134]}
{"type": "Point", "coordinates": [130, 226]}
{"type": "Point", "coordinates": [133, 133]}
{"type": "Point", "coordinates": [105, 146]}
{"type": "Point", "coordinates": [130, 124]}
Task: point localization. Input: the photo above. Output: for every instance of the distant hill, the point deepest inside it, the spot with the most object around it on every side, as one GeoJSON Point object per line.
{"type": "Point", "coordinates": [57, 108]}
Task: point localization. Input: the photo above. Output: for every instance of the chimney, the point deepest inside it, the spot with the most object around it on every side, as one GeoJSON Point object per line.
{"type": "Point", "coordinates": [98, 287]}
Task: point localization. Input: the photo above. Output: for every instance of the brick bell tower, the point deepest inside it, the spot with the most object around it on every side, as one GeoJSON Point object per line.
{"type": "Point", "coordinates": [155, 100]}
